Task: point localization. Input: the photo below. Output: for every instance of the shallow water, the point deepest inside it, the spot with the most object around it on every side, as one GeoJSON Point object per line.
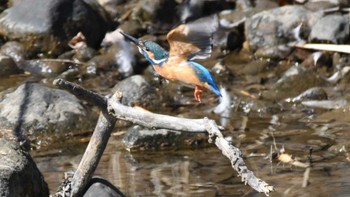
{"type": "Point", "coordinates": [255, 126]}
{"type": "Point", "coordinates": [205, 172]}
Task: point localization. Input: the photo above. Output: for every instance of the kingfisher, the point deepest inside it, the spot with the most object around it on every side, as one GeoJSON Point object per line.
{"type": "Point", "coordinates": [187, 42]}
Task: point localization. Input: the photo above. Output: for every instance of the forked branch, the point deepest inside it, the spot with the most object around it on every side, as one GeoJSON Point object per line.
{"type": "Point", "coordinates": [119, 111]}
{"type": "Point", "coordinates": [153, 120]}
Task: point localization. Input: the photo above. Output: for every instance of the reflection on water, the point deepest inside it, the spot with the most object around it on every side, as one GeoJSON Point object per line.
{"type": "Point", "coordinates": [205, 172]}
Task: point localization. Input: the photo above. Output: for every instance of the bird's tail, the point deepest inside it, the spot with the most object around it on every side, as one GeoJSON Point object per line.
{"type": "Point", "coordinates": [215, 89]}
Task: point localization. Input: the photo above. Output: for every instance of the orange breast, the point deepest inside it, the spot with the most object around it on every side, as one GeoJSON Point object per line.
{"type": "Point", "coordinates": [177, 69]}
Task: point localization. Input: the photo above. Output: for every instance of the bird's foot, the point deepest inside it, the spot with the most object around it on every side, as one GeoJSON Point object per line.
{"type": "Point", "coordinates": [197, 93]}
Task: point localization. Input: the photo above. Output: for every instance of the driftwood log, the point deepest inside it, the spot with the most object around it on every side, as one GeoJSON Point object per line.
{"type": "Point", "coordinates": [112, 109]}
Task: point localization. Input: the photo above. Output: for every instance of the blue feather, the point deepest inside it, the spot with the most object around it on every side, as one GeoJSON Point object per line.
{"type": "Point", "coordinates": [205, 76]}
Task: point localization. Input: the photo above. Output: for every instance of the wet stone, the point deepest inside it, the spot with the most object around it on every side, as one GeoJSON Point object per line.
{"type": "Point", "coordinates": [85, 54]}
{"type": "Point", "coordinates": [46, 67]}
{"type": "Point", "coordinates": [102, 188]}
{"type": "Point", "coordinates": [15, 50]}
{"type": "Point", "coordinates": [143, 138]}
{"type": "Point", "coordinates": [121, 52]}
{"type": "Point", "coordinates": [267, 30]}
{"type": "Point", "coordinates": [136, 91]}
{"type": "Point", "coordinates": [331, 29]}
{"type": "Point", "coordinates": [33, 109]}
{"type": "Point", "coordinates": [315, 93]}
{"type": "Point", "coordinates": [293, 82]}
{"type": "Point", "coordinates": [19, 175]}
{"type": "Point", "coordinates": [8, 66]}
{"type": "Point", "coordinates": [47, 25]}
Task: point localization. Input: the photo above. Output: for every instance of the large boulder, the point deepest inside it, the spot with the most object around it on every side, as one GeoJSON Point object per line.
{"type": "Point", "coordinates": [269, 31]}
{"type": "Point", "coordinates": [19, 175]}
{"type": "Point", "coordinates": [48, 25]}
{"type": "Point", "coordinates": [331, 29]}
{"type": "Point", "coordinates": [33, 109]}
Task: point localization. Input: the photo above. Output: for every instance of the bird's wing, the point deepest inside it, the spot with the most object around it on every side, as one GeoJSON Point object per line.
{"type": "Point", "coordinates": [193, 40]}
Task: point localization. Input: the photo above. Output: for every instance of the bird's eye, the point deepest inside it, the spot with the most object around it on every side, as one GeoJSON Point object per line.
{"type": "Point", "coordinates": [147, 49]}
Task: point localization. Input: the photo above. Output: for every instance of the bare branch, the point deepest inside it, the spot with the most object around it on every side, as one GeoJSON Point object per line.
{"type": "Point", "coordinates": [235, 156]}
{"type": "Point", "coordinates": [93, 154]}
{"type": "Point", "coordinates": [98, 141]}
{"type": "Point", "coordinates": [82, 93]}
{"type": "Point", "coordinates": [116, 110]}
{"type": "Point", "coordinates": [153, 120]}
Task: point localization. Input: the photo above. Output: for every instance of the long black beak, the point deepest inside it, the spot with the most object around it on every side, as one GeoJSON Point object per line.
{"type": "Point", "coordinates": [131, 39]}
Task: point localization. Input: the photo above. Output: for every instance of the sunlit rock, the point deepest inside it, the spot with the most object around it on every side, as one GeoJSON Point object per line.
{"type": "Point", "coordinates": [33, 109]}
{"type": "Point", "coordinates": [268, 32]}
{"type": "Point", "coordinates": [331, 29]}
{"type": "Point", "coordinates": [137, 91]}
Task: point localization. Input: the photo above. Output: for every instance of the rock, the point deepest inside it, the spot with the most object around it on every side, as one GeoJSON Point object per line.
{"type": "Point", "coordinates": [143, 138]}
{"type": "Point", "coordinates": [268, 30]}
{"type": "Point", "coordinates": [121, 51]}
{"type": "Point", "coordinates": [85, 54]}
{"type": "Point", "coordinates": [46, 67]}
{"type": "Point", "coordinates": [19, 175]}
{"type": "Point", "coordinates": [331, 29]}
{"type": "Point", "coordinates": [111, 6]}
{"type": "Point", "coordinates": [155, 13]}
{"type": "Point", "coordinates": [194, 9]}
{"type": "Point", "coordinates": [136, 91]}
{"type": "Point", "coordinates": [8, 66]}
{"type": "Point", "coordinates": [102, 188]}
{"type": "Point", "coordinates": [48, 25]}
{"type": "Point", "coordinates": [15, 50]}
{"type": "Point", "coordinates": [33, 108]}
{"type": "Point", "coordinates": [293, 82]}
{"type": "Point", "coordinates": [315, 93]}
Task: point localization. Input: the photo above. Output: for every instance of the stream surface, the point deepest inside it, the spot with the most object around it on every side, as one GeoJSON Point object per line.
{"type": "Point", "coordinates": [206, 172]}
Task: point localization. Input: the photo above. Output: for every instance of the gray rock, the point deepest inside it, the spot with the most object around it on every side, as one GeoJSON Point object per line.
{"type": "Point", "coordinates": [294, 81]}
{"type": "Point", "coordinates": [102, 188]}
{"type": "Point", "coordinates": [118, 54]}
{"type": "Point", "coordinates": [19, 175]}
{"type": "Point", "coordinates": [46, 67]}
{"type": "Point", "coordinates": [33, 108]}
{"type": "Point", "coordinates": [48, 25]}
{"type": "Point", "coordinates": [331, 28]}
{"type": "Point", "coordinates": [136, 90]}
{"type": "Point", "coordinates": [143, 138]}
{"type": "Point", "coordinates": [315, 93]}
{"type": "Point", "coordinates": [267, 30]}
{"type": "Point", "coordinates": [8, 66]}
{"type": "Point", "coordinates": [15, 50]}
